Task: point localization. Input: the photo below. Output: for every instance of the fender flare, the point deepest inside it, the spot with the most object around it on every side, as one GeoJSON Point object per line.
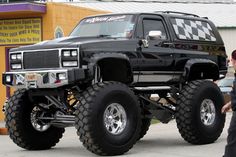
{"type": "Point", "coordinates": [93, 61]}
{"type": "Point", "coordinates": [209, 64]}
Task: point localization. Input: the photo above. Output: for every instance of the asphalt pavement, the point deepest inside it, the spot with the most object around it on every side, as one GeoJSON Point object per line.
{"type": "Point", "coordinates": [162, 140]}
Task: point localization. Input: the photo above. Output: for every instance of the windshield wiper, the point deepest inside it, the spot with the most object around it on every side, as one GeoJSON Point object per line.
{"type": "Point", "coordinates": [99, 36]}
{"type": "Point", "coordinates": [104, 36]}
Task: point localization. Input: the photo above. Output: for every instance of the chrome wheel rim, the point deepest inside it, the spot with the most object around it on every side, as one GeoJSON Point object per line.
{"type": "Point", "coordinates": [207, 112]}
{"type": "Point", "coordinates": [115, 118]}
{"type": "Point", "coordinates": [38, 124]}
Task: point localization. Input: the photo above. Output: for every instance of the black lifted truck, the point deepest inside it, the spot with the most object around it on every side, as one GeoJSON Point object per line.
{"type": "Point", "coordinates": [101, 77]}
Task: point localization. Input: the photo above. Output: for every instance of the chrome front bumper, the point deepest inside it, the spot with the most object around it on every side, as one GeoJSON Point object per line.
{"type": "Point", "coordinates": [42, 79]}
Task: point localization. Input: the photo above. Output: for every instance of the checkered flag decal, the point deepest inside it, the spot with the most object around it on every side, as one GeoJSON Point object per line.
{"type": "Point", "coordinates": [193, 30]}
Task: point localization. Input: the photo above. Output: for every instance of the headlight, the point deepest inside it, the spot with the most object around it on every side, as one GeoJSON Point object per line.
{"type": "Point", "coordinates": [69, 53]}
{"type": "Point", "coordinates": [19, 56]}
{"type": "Point", "coordinates": [66, 53]}
{"type": "Point", "coordinates": [16, 66]}
{"type": "Point", "coordinates": [70, 57]}
{"type": "Point", "coordinates": [13, 57]}
{"type": "Point", "coordinates": [70, 63]}
{"type": "Point", "coordinates": [16, 56]}
{"type": "Point", "coordinates": [74, 53]}
{"type": "Point", "coordinates": [16, 60]}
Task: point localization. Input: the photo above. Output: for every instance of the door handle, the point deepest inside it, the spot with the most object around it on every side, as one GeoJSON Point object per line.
{"type": "Point", "coordinates": [168, 44]}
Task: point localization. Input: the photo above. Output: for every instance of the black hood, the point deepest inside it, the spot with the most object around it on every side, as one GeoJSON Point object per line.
{"type": "Point", "coordinates": [65, 42]}
{"type": "Point", "coordinates": [85, 43]}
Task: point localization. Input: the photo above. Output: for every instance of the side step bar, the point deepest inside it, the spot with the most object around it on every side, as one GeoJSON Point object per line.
{"type": "Point", "coordinates": [152, 88]}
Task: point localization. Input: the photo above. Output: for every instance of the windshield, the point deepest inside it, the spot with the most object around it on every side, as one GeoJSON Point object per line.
{"type": "Point", "coordinates": [117, 26]}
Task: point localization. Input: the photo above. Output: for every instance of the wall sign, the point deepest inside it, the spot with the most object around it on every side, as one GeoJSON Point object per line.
{"type": "Point", "coordinates": [58, 32]}
{"type": "Point", "coordinates": [20, 31]}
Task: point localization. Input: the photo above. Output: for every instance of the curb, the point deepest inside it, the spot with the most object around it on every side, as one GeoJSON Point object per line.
{"type": "Point", "coordinates": [3, 131]}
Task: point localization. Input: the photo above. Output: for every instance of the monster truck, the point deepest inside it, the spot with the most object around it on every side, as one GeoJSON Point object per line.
{"type": "Point", "coordinates": [100, 79]}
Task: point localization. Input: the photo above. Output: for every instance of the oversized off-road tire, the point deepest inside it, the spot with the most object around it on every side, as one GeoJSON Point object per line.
{"type": "Point", "coordinates": [108, 118]}
{"type": "Point", "coordinates": [146, 122]}
{"type": "Point", "coordinates": [198, 114]}
{"type": "Point", "coordinates": [19, 124]}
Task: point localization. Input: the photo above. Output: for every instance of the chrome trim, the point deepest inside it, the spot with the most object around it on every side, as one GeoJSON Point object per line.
{"type": "Point", "coordinates": [135, 78]}
{"type": "Point", "coordinates": [223, 71]}
{"type": "Point", "coordinates": [20, 82]}
{"type": "Point", "coordinates": [38, 124]}
{"type": "Point", "coordinates": [60, 120]}
{"type": "Point", "coordinates": [115, 119]}
{"type": "Point", "coordinates": [161, 72]}
{"type": "Point", "coordinates": [221, 76]}
{"type": "Point", "coordinates": [9, 59]}
{"type": "Point", "coordinates": [60, 56]}
{"type": "Point", "coordinates": [22, 61]}
{"type": "Point", "coordinates": [158, 78]}
{"type": "Point", "coordinates": [153, 88]}
{"type": "Point", "coordinates": [207, 112]}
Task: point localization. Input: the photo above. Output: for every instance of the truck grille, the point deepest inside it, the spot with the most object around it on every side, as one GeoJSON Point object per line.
{"type": "Point", "coordinates": [41, 59]}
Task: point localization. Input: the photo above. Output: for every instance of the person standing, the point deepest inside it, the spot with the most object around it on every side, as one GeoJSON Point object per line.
{"type": "Point", "coordinates": [230, 148]}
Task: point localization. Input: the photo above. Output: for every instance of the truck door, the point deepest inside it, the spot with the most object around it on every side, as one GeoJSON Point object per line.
{"type": "Point", "coordinates": [157, 63]}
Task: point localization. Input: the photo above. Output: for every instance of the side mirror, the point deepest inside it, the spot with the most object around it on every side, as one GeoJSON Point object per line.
{"type": "Point", "coordinates": [155, 35]}
{"type": "Point", "coordinates": [152, 35]}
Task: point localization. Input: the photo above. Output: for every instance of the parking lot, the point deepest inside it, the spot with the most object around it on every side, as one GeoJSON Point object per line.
{"type": "Point", "coordinates": [162, 140]}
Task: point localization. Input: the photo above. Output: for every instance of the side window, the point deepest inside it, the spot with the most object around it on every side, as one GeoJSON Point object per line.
{"type": "Point", "coordinates": [153, 25]}
{"type": "Point", "coordinates": [187, 29]}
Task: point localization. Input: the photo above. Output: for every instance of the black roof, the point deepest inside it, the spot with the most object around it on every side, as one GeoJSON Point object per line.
{"type": "Point", "coordinates": [162, 13]}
